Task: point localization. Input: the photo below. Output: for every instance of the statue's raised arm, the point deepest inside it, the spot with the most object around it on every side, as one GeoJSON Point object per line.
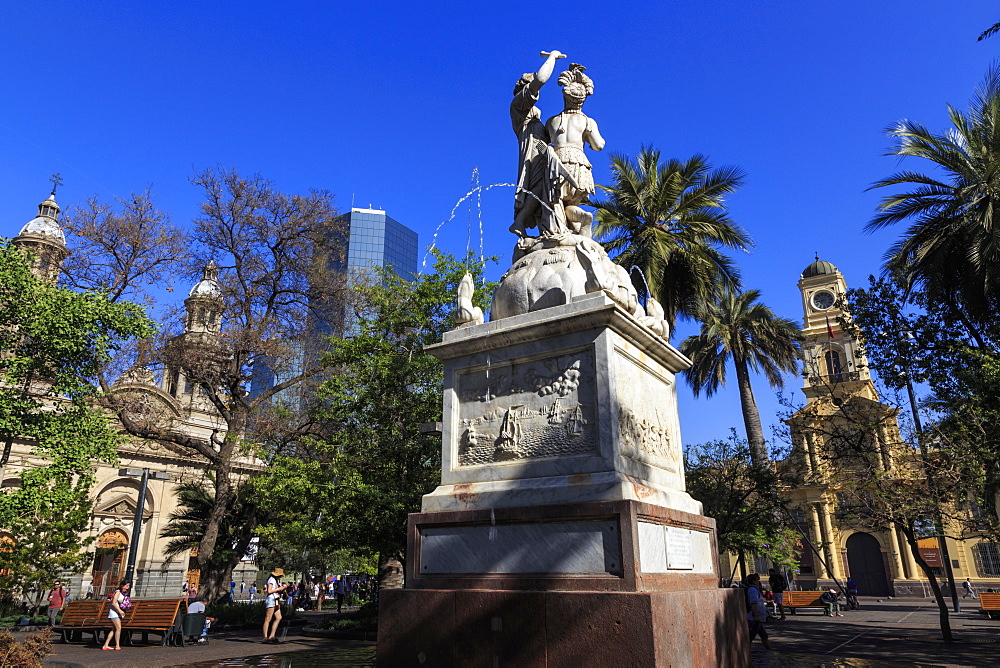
{"type": "Point", "coordinates": [540, 175]}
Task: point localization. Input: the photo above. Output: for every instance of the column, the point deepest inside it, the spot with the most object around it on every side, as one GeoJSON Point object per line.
{"type": "Point", "coordinates": [834, 552]}
{"type": "Point", "coordinates": [884, 447]}
{"type": "Point", "coordinates": [818, 541]}
{"type": "Point", "coordinates": [896, 557]}
{"type": "Point", "coordinates": [811, 452]}
{"type": "Point", "coordinates": [909, 560]}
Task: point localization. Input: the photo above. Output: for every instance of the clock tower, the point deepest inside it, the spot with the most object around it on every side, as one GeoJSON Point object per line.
{"type": "Point", "coordinates": [833, 363]}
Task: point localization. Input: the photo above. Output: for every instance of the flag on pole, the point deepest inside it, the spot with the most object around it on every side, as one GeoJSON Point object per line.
{"type": "Point", "coordinates": [829, 327]}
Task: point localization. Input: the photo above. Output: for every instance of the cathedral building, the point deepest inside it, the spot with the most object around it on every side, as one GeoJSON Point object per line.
{"type": "Point", "coordinates": [165, 396]}
{"type": "Point", "coordinates": [842, 399]}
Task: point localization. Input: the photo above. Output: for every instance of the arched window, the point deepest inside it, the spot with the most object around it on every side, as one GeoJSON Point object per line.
{"type": "Point", "coordinates": [833, 368]}
{"type": "Point", "coordinates": [987, 557]}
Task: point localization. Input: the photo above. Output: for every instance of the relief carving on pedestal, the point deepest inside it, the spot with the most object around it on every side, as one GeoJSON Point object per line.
{"type": "Point", "coordinates": [526, 410]}
{"type": "Point", "coordinates": [643, 438]}
{"type": "Point", "coordinates": [645, 427]}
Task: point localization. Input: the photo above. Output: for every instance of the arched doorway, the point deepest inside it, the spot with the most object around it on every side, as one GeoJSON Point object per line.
{"type": "Point", "coordinates": [109, 561]}
{"type": "Point", "coordinates": [864, 558]}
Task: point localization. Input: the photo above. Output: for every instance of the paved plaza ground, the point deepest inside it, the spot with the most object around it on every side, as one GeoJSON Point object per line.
{"type": "Point", "coordinates": [890, 633]}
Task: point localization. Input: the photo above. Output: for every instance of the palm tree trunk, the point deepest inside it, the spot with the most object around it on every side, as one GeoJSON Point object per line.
{"type": "Point", "coordinates": [751, 416]}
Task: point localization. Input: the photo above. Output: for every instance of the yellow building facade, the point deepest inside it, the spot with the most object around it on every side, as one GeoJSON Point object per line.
{"type": "Point", "coordinates": [839, 389]}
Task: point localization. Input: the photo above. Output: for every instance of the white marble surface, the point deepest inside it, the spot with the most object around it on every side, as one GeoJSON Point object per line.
{"type": "Point", "coordinates": [568, 404]}
{"type": "Point", "coordinates": [549, 547]}
{"type": "Point", "coordinates": [665, 549]}
{"type": "Point", "coordinates": [551, 490]}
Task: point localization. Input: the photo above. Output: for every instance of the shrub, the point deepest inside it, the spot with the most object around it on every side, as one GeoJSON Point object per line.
{"type": "Point", "coordinates": [242, 613]}
{"type": "Point", "coordinates": [26, 654]}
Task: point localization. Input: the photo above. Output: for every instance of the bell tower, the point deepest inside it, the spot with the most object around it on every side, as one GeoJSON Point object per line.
{"type": "Point", "coordinates": [202, 325]}
{"type": "Point", "coordinates": [44, 239]}
{"type": "Point", "coordinates": [831, 358]}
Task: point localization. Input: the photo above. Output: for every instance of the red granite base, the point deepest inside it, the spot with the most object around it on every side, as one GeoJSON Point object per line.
{"type": "Point", "coordinates": [431, 627]}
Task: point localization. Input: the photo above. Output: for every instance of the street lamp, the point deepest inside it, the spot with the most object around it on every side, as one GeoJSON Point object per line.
{"type": "Point", "coordinates": [144, 475]}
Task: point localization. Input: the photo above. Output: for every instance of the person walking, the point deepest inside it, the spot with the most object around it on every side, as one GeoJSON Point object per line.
{"type": "Point", "coordinates": [90, 591]}
{"type": "Point", "coordinates": [253, 591]}
{"type": "Point", "coordinates": [778, 586]}
{"type": "Point", "coordinates": [57, 597]}
{"type": "Point", "coordinates": [756, 609]}
{"type": "Point", "coordinates": [969, 590]}
{"type": "Point", "coordinates": [272, 606]}
{"type": "Point", "coordinates": [341, 589]}
{"type": "Point", "coordinates": [120, 602]}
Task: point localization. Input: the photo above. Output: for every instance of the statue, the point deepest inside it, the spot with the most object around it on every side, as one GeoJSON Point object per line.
{"type": "Point", "coordinates": [568, 132]}
{"type": "Point", "coordinates": [554, 178]}
{"type": "Point", "coordinates": [541, 177]}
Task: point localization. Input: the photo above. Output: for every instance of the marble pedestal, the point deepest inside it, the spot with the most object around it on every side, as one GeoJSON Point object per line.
{"type": "Point", "coordinates": [561, 533]}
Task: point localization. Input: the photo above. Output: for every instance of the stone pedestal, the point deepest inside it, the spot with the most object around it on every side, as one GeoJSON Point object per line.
{"type": "Point", "coordinates": [561, 534]}
{"type": "Point", "coordinates": [445, 628]}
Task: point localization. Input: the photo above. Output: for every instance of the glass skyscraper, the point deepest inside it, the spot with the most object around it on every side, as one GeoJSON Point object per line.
{"type": "Point", "coordinates": [373, 240]}
{"type": "Point", "coordinates": [381, 241]}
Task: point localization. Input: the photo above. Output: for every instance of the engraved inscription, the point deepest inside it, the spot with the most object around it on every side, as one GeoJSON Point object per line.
{"type": "Point", "coordinates": [526, 410]}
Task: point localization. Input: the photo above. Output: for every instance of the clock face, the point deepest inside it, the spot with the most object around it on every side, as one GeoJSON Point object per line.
{"type": "Point", "coordinates": [823, 300]}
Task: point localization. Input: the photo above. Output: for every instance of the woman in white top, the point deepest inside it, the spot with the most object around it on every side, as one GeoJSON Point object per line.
{"type": "Point", "coordinates": [116, 613]}
{"type": "Point", "coordinates": [272, 605]}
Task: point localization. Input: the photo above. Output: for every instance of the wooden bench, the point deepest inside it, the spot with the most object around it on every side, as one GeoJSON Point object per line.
{"type": "Point", "coordinates": [156, 615]}
{"type": "Point", "coordinates": [989, 605]}
{"type": "Point", "coordinates": [151, 615]}
{"type": "Point", "coordinates": [802, 599]}
{"type": "Point", "coordinates": [81, 616]}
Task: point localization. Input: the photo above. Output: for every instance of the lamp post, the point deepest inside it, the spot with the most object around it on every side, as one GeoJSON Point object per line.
{"type": "Point", "coordinates": [938, 522]}
{"type": "Point", "coordinates": [144, 475]}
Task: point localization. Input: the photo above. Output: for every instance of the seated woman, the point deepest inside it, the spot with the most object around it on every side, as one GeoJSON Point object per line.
{"type": "Point", "coordinates": [832, 600]}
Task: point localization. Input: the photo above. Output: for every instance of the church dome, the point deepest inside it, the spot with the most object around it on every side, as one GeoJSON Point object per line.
{"type": "Point", "coordinates": [208, 286]}
{"type": "Point", "coordinates": [45, 224]}
{"type": "Point", "coordinates": [819, 268]}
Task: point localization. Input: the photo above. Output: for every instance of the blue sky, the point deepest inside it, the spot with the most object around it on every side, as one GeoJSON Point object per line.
{"type": "Point", "coordinates": [393, 105]}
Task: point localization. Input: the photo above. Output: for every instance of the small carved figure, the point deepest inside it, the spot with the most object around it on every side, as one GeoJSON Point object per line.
{"type": "Point", "coordinates": [467, 312]}
{"type": "Point", "coordinates": [510, 434]}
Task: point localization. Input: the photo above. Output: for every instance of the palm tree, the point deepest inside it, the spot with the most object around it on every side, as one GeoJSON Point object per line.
{"type": "Point", "coordinates": [738, 327]}
{"type": "Point", "coordinates": [670, 221]}
{"type": "Point", "coordinates": [951, 251]}
{"type": "Point", "coordinates": [186, 527]}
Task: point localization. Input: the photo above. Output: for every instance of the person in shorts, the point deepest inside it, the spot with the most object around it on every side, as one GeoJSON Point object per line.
{"type": "Point", "coordinates": [272, 605]}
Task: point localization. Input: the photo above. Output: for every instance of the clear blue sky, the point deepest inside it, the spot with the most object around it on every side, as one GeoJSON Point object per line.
{"type": "Point", "coordinates": [394, 104]}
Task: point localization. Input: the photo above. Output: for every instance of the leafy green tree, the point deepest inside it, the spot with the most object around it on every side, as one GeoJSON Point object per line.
{"type": "Point", "coordinates": [951, 250]}
{"type": "Point", "coordinates": [277, 257]}
{"type": "Point", "coordinates": [54, 341]}
{"type": "Point", "coordinates": [378, 461]}
{"type": "Point", "coordinates": [941, 476]}
{"type": "Point", "coordinates": [742, 498]}
{"type": "Point", "coordinates": [669, 219]}
{"type": "Point", "coordinates": [740, 329]}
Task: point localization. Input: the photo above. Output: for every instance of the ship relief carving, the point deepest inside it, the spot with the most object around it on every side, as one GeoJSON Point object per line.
{"type": "Point", "coordinates": [526, 410]}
